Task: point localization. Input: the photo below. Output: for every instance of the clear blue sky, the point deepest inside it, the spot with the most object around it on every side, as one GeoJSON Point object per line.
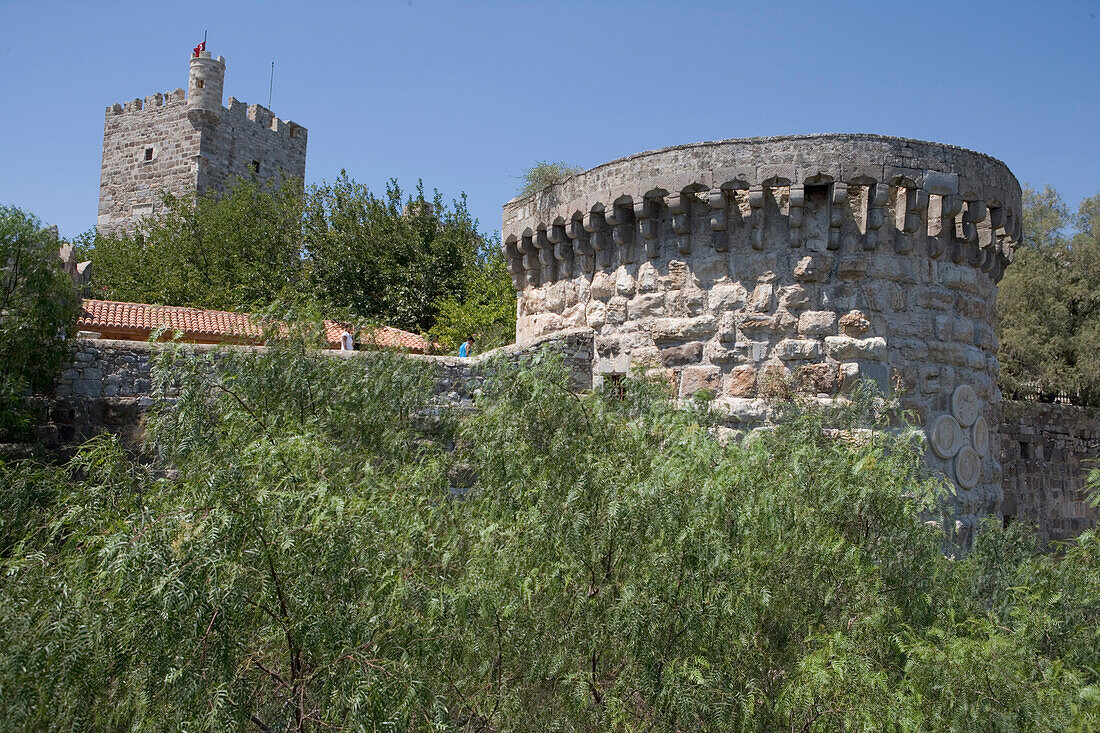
{"type": "Point", "coordinates": [467, 95]}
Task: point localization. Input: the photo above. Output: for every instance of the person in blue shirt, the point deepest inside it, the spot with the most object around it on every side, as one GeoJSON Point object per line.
{"type": "Point", "coordinates": [467, 347]}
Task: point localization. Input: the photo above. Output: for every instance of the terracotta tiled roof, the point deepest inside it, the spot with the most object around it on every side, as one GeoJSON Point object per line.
{"type": "Point", "coordinates": [136, 321]}
{"type": "Point", "coordinates": [99, 315]}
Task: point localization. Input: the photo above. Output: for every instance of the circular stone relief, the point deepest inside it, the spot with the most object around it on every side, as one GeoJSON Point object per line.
{"type": "Point", "coordinates": [968, 467]}
{"type": "Point", "coordinates": [979, 436]}
{"type": "Point", "coordinates": [965, 405]}
{"type": "Point", "coordinates": [945, 436]}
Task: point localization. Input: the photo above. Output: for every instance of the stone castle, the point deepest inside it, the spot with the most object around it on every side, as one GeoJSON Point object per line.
{"type": "Point", "coordinates": [186, 143]}
{"type": "Point", "coordinates": [800, 262]}
{"type": "Point", "coordinates": [742, 268]}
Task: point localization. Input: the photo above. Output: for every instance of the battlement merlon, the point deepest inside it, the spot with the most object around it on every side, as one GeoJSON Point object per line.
{"type": "Point", "coordinates": [942, 198]}
{"type": "Point", "coordinates": [266, 118]}
{"type": "Point", "coordinates": [160, 99]}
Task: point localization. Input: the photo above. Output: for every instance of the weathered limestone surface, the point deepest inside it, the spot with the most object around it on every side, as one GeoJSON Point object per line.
{"type": "Point", "coordinates": [185, 143]}
{"type": "Point", "coordinates": [815, 260]}
{"type": "Point", "coordinates": [1047, 451]}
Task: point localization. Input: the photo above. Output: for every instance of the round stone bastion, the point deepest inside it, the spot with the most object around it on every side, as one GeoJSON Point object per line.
{"type": "Point", "coordinates": [798, 263]}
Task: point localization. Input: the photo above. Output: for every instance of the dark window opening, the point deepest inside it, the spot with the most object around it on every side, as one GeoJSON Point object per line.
{"type": "Point", "coordinates": [200, 83]}
{"type": "Point", "coordinates": [148, 153]}
{"type": "Point", "coordinates": [255, 166]}
{"type": "Point", "coordinates": [1025, 451]}
{"type": "Point", "coordinates": [616, 385]}
{"type": "Point", "coordinates": [1008, 519]}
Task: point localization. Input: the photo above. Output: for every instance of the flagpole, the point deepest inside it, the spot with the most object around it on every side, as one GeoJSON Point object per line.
{"type": "Point", "coordinates": [270, 84]}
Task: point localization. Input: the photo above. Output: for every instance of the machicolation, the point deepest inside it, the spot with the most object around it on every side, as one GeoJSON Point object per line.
{"type": "Point", "coordinates": [814, 261]}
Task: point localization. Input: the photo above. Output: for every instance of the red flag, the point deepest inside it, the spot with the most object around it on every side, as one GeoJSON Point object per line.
{"type": "Point", "coordinates": [199, 49]}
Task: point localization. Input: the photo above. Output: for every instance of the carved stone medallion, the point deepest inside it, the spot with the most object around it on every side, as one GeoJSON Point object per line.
{"type": "Point", "coordinates": [965, 405]}
{"type": "Point", "coordinates": [968, 467]}
{"type": "Point", "coordinates": [979, 436]}
{"type": "Point", "coordinates": [946, 437]}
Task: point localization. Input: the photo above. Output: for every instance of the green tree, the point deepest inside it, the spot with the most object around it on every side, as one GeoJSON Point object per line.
{"type": "Point", "coordinates": [387, 258]}
{"type": "Point", "coordinates": [38, 311]}
{"type": "Point", "coordinates": [1049, 300]}
{"type": "Point", "coordinates": [238, 250]}
{"type": "Point", "coordinates": [546, 173]}
{"type": "Point", "coordinates": [618, 564]}
{"type": "Point", "coordinates": [485, 307]}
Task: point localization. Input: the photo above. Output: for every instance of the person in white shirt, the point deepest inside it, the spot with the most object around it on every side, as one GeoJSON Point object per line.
{"type": "Point", "coordinates": [347, 341]}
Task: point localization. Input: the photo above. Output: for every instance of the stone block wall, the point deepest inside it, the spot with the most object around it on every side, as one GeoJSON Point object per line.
{"type": "Point", "coordinates": [247, 134]}
{"type": "Point", "coordinates": [1047, 451]}
{"type": "Point", "coordinates": [131, 181]}
{"type": "Point", "coordinates": [752, 267]}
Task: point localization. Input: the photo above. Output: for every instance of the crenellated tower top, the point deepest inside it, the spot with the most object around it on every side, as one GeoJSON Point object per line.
{"type": "Point", "coordinates": [832, 192]}
{"type": "Point", "coordinates": [206, 79]}
{"type": "Point", "coordinates": [749, 268]}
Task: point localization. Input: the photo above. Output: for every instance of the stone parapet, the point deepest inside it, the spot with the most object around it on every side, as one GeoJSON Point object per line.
{"type": "Point", "coordinates": [1047, 451]}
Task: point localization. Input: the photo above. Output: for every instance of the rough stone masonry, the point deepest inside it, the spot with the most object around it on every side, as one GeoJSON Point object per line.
{"type": "Point", "coordinates": [807, 262]}
{"type": "Point", "coordinates": [187, 143]}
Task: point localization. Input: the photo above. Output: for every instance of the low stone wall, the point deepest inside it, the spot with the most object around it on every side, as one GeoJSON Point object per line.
{"type": "Point", "coordinates": [1047, 451]}
{"type": "Point", "coordinates": [108, 386]}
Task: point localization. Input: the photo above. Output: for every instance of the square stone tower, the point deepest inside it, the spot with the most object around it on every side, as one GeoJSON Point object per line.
{"type": "Point", "coordinates": [188, 143]}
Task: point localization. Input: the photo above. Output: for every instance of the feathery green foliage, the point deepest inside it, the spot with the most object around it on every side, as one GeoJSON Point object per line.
{"type": "Point", "coordinates": [298, 560]}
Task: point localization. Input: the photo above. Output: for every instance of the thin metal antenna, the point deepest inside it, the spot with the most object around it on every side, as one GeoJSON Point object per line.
{"type": "Point", "coordinates": [270, 85]}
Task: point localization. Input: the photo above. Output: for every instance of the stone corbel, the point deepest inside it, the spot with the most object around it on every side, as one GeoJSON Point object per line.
{"type": "Point", "coordinates": [912, 219]}
{"type": "Point", "coordinates": [795, 217]}
{"type": "Point", "coordinates": [526, 247]}
{"type": "Point", "coordinates": [618, 217]}
{"type": "Point", "coordinates": [574, 229]}
{"type": "Point", "coordinates": [645, 213]}
{"type": "Point", "coordinates": [679, 205]}
{"type": "Point", "coordinates": [515, 263]}
{"type": "Point", "coordinates": [563, 249]}
{"type": "Point", "coordinates": [916, 203]}
{"type": "Point", "coordinates": [597, 237]}
{"type": "Point", "coordinates": [719, 219]}
{"type": "Point", "coordinates": [546, 256]}
{"type": "Point", "coordinates": [950, 207]}
{"type": "Point", "coordinates": [878, 195]}
{"type": "Point", "coordinates": [756, 218]}
{"type": "Point", "coordinates": [989, 249]}
{"type": "Point", "coordinates": [973, 216]}
{"type": "Point", "coordinates": [838, 207]}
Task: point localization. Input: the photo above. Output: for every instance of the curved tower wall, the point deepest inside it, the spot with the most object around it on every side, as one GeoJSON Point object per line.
{"type": "Point", "coordinates": [205, 82]}
{"type": "Point", "coordinates": [811, 262]}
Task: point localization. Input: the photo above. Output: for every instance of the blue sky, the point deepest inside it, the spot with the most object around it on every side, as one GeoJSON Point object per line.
{"type": "Point", "coordinates": [467, 95]}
